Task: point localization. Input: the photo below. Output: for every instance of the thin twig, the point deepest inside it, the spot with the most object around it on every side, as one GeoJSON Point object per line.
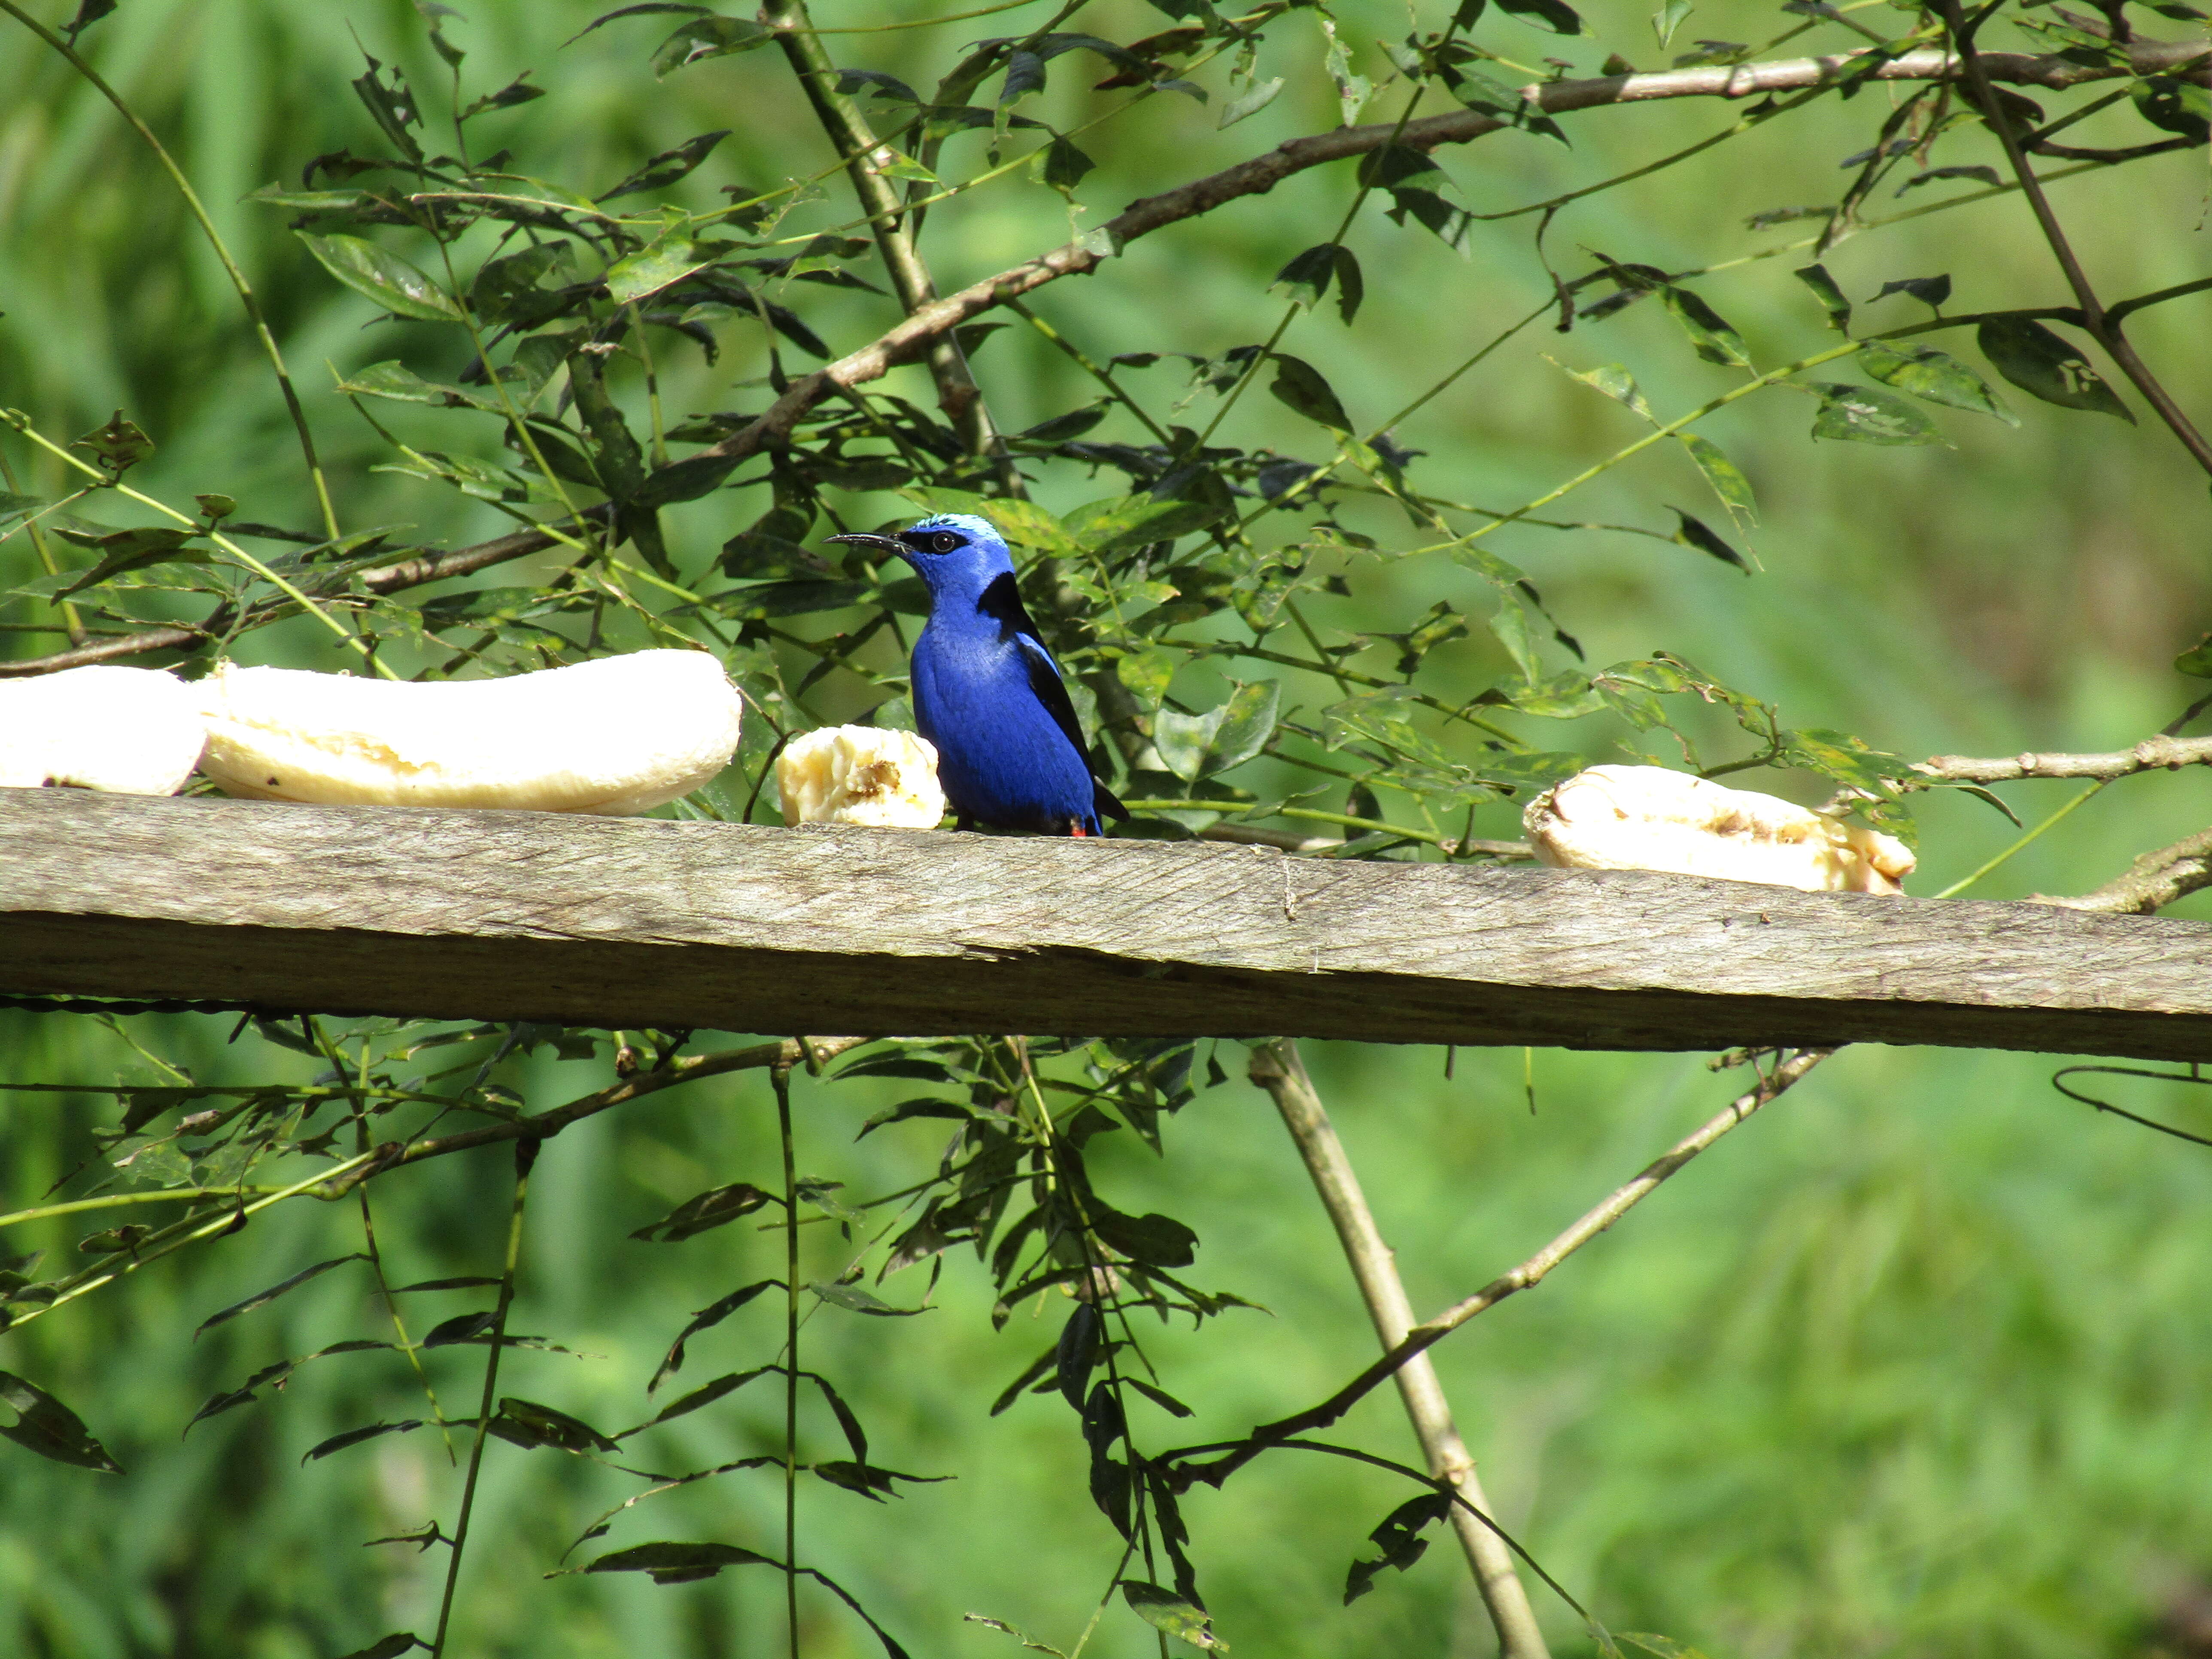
{"type": "Point", "coordinates": [1277, 1067]}
{"type": "Point", "coordinates": [779, 1076]}
{"type": "Point", "coordinates": [2153, 881]}
{"type": "Point", "coordinates": [1527, 1276]}
{"type": "Point", "coordinates": [525, 1154]}
{"type": "Point", "coordinates": [2095, 322]}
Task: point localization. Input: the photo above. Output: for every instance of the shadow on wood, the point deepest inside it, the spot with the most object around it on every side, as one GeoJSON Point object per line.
{"type": "Point", "coordinates": [634, 922]}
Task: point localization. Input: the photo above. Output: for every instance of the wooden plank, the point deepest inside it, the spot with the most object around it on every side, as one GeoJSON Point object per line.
{"type": "Point", "coordinates": [516, 916]}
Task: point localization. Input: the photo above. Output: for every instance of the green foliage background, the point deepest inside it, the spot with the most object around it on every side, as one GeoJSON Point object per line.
{"type": "Point", "coordinates": [1914, 1364]}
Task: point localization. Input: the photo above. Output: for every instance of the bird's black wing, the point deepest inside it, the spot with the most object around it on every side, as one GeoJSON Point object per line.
{"type": "Point", "coordinates": [1002, 601]}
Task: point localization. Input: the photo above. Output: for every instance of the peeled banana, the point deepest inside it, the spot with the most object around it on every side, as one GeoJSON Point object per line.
{"type": "Point", "coordinates": [614, 735]}
{"type": "Point", "coordinates": [1647, 818]}
{"type": "Point", "coordinates": [860, 775]}
{"type": "Point", "coordinates": [126, 731]}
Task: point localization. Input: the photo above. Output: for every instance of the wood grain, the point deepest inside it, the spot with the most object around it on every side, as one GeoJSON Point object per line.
{"type": "Point", "coordinates": [520, 915]}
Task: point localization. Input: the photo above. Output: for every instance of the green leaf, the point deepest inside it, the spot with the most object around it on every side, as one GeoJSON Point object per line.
{"type": "Point", "coordinates": [1695, 532]}
{"type": "Point", "coordinates": [856, 1300]}
{"type": "Point", "coordinates": [338, 1443]}
{"type": "Point", "coordinates": [2197, 660]}
{"type": "Point", "coordinates": [1110, 526]}
{"type": "Point", "coordinates": [1064, 165]}
{"type": "Point", "coordinates": [1513, 630]}
{"type": "Point", "coordinates": [1931, 291]}
{"type": "Point", "coordinates": [1668, 18]}
{"type": "Point", "coordinates": [670, 257]}
{"type": "Point", "coordinates": [1935, 375]}
{"type": "Point", "coordinates": [1869, 415]}
{"type": "Point", "coordinates": [391, 1646]}
{"type": "Point", "coordinates": [1613, 379]}
{"type": "Point", "coordinates": [517, 91]}
{"type": "Point", "coordinates": [128, 550]}
{"type": "Point", "coordinates": [1351, 286]}
{"type": "Point", "coordinates": [393, 107]}
{"type": "Point", "coordinates": [1300, 385]}
{"type": "Point", "coordinates": [716, 1208]}
{"type": "Point", "coordinates": [1164, 1610]}
{"type": "Point", "coordinates": [2045, 365]}
{"type": "Point", "coordinates": [1726, 477]}
{"type": "Point", "coordinates": [1710, 332]}
{"type": "Point", "coordinates": [677, 1564]}
{"type": "Point", "coordinates": [704, 38]}
{"type": "Point", "coordinates": [1255, 99]}
{"type": "Point", "coordinates": [1076, 1353]}
{"type": "Point", "coordinates": [386, 278]}
{"type": "Point", "coordinates": [1306, 278]}
{"type": "Point", "coordinates": [1400, 1539]}
{"type": "Point", "coordinates": [1199, 745]}
{"type": "Point", "coordinates": [45, 1426]}
{"type": "Point", "coordinates": [1560, 18]}
{"type": "Point", "coordinates": [1156, 1241]}
{"type": "Point", "coordinates": [1831, 297]}
{"type": "Point", "coordinates": [261, 1298]}
{"type": "Point", "coordinates": [2175, 106]}
{"type": "Point", "coordinates": [526, 1422]}
{"type": "Point", "coordinates": [214, 507]}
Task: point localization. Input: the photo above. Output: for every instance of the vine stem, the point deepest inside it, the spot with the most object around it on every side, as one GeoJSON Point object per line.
{"type": "Point", "coordinates": [246, 295]}
{"type": "Point", "coordinates": [525, 1154]}
{"type": "Point", "coordinates": [779, 1076]}
{"type": "Point", "coordinates": [1277, 1068]}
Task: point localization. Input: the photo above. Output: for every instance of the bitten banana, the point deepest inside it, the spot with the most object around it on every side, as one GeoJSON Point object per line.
{"type": "Point", "coordinates": [615, 735]}
{"type": "Point", "coordinates": [1646, 817]}
{"type": "Point", "coordinates": [860, 775]}
{"type": "Point", "coordinates": [126, 731]}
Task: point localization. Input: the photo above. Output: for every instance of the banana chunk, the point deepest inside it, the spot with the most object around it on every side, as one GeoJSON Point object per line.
{"type": "Point", "coordinates": [615, 735]}
{"type": "Point", "coordinates": [860, 775]}
{"type": "Point", "coordinates": [125, 730]}
{"type": "Point", "coordinates": [1646, 817]}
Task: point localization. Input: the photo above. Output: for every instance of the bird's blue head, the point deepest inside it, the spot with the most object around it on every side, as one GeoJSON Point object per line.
{"type": "Point", "coordinates": [957, 554]}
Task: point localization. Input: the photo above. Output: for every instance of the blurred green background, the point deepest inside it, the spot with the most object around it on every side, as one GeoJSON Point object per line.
{"type": "Point", "coordinates": [1915, 1363]}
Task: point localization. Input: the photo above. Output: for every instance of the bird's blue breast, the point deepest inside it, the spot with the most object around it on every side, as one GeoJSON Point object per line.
{"type": "Point", "coordinates": [1002, 757]}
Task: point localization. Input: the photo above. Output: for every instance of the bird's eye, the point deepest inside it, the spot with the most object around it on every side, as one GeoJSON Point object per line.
{"type": "Point", "coordinates": [943, 542]}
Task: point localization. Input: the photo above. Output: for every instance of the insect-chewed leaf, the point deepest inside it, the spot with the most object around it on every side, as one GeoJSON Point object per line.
{"type": "Point", "coordinates": [715, 1207]}
{"type": "Point", "coordinates": [668, 258]}
{"type": "Point", "coordinates": [1711, 335]}
{"type": "Point", "coordinates": [1163, 1610]}
{"type": "Point", "coordinates": [1615, 381]}
{"type": "Point", "coordinates": [2044, 364]}
{"type": "Point", "coordinates": [2175, 106]}
{"type": "Point", "coordinates": [385, 277]}
{"type": "Point", "coordinates": [1198, 745]}
{"type": "Point", "coordinates": [46, 1426]}
{"type": "Point", "coordinates": [665, 168]}
{"type": "Point", "coordinates": [1869, 414]}
{"type": "Point", "coordinates": [526, 1422]}
{"type": "Point", "coordinates": [120, 445]}
{"type": "Point", "coordinates": [1030, 1644]}
{"type": "Point", "coordinates": [260, 1297]}
{"type": "Point", "coordinates": [714, 1314]}
{"type": "Point", "coordinates": [1931, 291]}
{"type": "Point", "coordinates": [1398, 1538]}
{"type": "Point", "coordinates": [1935, 375]}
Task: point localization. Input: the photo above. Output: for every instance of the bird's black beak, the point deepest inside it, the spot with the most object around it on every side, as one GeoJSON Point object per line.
{"type": "Point", "coordinates": [876, 543]}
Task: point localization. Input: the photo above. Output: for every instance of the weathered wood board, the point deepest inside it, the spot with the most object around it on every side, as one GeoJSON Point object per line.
{"type": "Point", "coordinates": [633, 922]}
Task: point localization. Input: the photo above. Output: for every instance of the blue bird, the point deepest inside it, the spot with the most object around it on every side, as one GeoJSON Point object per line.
{"type": "Point", "coordinates": [988, 694]}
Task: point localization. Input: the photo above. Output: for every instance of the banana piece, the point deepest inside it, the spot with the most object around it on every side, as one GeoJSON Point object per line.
{"type": "Point", "coordinates": [1647, 818]}
{"type": "Point", "coordinates": [860, 775]}
{"type": "Point", "coordinates": [125, 730]}
{"type": "Point", "coordinates": [615, 735]}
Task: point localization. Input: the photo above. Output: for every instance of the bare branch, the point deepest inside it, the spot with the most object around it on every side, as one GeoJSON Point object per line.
{"type": "Point", "coordinates": [1277, 1068]}
{"type": "Point", "coordinates": [2151, 755]}
{"type": "Point", "coordinates": [2153, 881]}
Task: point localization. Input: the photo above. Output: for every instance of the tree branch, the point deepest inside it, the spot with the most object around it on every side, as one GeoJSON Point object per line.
{"type": "Point", "coordinates": [2151, 755]}
{"type": "Point", "coordinates": [1530, 1274]}
{"type": "Point", "coordinates": [1277, 1068]}
{"type": "Point", "coordinates": [2094, 321]}
{"type": "Point", "coordinates": [2153, 881]}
